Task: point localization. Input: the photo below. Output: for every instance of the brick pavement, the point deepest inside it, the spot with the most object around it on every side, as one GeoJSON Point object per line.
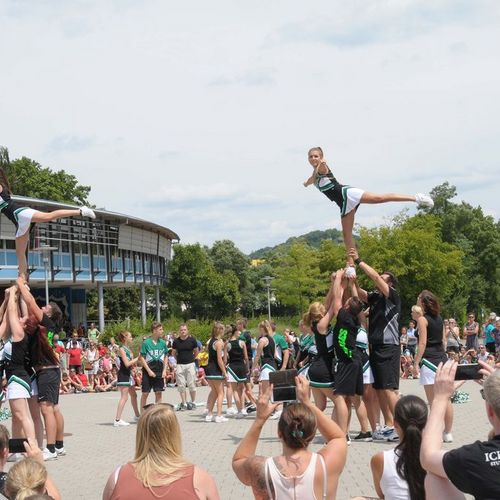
{"type": "Point", "coordinates": [95, 447]}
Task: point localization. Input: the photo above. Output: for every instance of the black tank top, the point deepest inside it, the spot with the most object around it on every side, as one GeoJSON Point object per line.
{"type": "Point", "coordinates": [212, 351]}
{"type": "Point", "coordinates": [268, 351]}
{"type": "Point", "coordinates": [8, 205]}
{"type": "Point", "coordinates": [434, 333]}
{"type": "Point", "coordinates": [16, 354]}
{"type": "Point", "coordinates": [324, 343]}
{"type": "Point", "coordinates": [235, 352]}
{"type": "Point", "coordinates": [123, 370]}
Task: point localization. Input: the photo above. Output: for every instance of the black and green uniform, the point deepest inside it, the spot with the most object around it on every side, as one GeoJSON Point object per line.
{"type": "Point", "coordinates": [124, 376]}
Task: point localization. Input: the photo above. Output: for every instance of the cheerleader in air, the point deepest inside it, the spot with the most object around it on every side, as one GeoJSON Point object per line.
{"type": "Point", "coordinates": [349, 198]}
{"type": "Point", "coordinates": [23, 217]}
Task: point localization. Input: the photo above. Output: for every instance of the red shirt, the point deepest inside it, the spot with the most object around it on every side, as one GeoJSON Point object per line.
{"type": "Point", "coordinates": [75, 356]}
{"type": "Point", "coordinates": [83, 379]}
{"type": "Point", "coordinates": [102, 351]}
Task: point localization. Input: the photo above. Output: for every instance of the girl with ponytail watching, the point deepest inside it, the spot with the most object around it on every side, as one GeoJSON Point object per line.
{"type": "Point", "coordinates": [297, 473]}
{"type": "Point", "coordinates": [397, 473]}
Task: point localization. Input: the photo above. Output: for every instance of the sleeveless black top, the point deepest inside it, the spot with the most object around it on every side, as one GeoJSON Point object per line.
{"type": "Point", "coordinates": [8, 205]}
{"type": "Point", "coordinates": [235, 353]}
{"type": "Point", "coordinates": [212, 352]}
{"type": "Point", "coordinates": [268, 352]}
{"type": "Point", "coordinates": [324, 343]}
{"type": "Point", "coordinates": [434, 341]}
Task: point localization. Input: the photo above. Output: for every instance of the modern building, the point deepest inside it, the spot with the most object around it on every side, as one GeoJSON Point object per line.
{"type": "Point", "coordinates": [79, 254]}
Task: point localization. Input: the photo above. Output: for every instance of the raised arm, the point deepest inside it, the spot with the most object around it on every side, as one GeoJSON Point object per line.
{"type": "Point", "coordinates": [371, 273]}
{"type": "Point", "coordinates": [332, 309]}
{"type": "Point", "coordinates": [29, 299]}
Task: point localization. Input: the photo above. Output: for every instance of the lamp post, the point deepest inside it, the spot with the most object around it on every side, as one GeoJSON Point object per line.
{"type": "Point", "coordinates": [268, 280]}
{"type": "Point", "coordinates": [45, 251]}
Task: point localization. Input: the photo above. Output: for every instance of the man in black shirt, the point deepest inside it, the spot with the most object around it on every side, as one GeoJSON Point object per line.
{"type": "Point", "coordinates": [383, 337]}
{"type": "Point", "coordinates": [473, 468]}
{"type": "Point", "coordinates": [185, 349]}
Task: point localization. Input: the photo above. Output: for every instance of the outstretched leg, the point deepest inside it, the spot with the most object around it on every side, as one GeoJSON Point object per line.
{"type": "Point", "coordinates": [56, 214]}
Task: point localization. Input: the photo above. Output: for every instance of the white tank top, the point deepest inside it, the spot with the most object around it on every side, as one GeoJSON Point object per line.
{"type": "Point", "coordinates": [393, 486]}
{"type": "Point", "coordinates": [296, 487]}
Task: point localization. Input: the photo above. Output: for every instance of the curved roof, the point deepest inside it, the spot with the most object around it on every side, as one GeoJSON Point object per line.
{"type": "Point", "coordinates": [120, 218]}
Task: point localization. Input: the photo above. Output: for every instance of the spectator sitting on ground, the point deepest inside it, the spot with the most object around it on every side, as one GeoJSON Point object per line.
{"type": "Point", "coordinates": [159, 470]}
{"type": "Point", "coordinates": [397, 473]}
{"type": "Point", "coordinates": [101, 383]}
{"type": "Point", "coordinates": [66, 386]}
{"type": "Point", "coordinates": [473, 468]}
{"type": "Point", "coordinates": [201, 380]}
{"type": "Point", "coordinates": [29, 476]}
{"type": "Point", "coordinates": [75, 381]}
{"type": "Point", "coordinates": [298, 472]}
{"type": "Point", "coordinates": [113, 378]}
{"type": "Point", "coordinates": [137, 374]}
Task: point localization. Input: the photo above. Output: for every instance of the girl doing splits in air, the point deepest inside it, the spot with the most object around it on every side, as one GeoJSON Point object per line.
{"type": "Point", "coordinates": [23, 217]}
{"type": "Point", "coordinates": [349, 198]}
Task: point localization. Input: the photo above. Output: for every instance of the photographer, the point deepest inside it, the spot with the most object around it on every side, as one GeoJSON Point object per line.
{"type": "Point", "coordinates": [473, 468]}
{"type": "Point", "coordinates": [298, 472]}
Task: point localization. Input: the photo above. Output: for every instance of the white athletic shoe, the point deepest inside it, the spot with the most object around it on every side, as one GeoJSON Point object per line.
{"type": "Point", "coordinates": [219, 420]}
{"type": "Point", "coordinates": [240, 415]}
{"type": "Point", "coordinates": [87, 212]}
{"type": "Point", "coordinates": [136, 419]}
{"type": "Point", "coordinates": [15, 457]}
{"type": "Point", "coordinates": [120, 423]}
{"type": "Point", "coordinates": [424, 200]}
{"type": "Point", "coordinates": [244, 411]}
{"type": "Point", "coordinates": [447, 437]}
{"type": "Point", "coordinates": [60, 451]}
{"type": "Point", "coordinates": [350, 272]}
{"type": "Point", "coordinates": [231, 411]}
{"type": "Point", "coordinates": [209, 418]}
{"type": "Point", "coordinates": [48, 455]}
{"type": "Point", "coordinates": [276, 415]}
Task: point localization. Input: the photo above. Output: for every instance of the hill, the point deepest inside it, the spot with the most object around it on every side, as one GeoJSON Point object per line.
{"type": "Point", "coordinates": [314, 238]}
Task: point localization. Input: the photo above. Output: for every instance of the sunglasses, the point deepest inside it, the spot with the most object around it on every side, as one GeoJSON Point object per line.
{"type": "Point", "coordinates": [158, 404]}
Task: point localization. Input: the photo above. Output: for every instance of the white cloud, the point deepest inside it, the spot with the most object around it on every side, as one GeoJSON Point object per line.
{"type": "Point", "coordinates": [198, 116]}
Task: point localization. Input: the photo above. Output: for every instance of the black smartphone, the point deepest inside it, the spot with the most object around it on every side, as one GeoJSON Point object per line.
{"type": "Point", "coordinates": [17, 445]}
{"type": "Point", "coordinates": [468, 372]}
{"type": "Point", "coordinates": [284, 388]}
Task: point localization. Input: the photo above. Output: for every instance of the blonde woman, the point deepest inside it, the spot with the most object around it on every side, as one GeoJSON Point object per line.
{"type": "Point", "coordinates": [29, 476]}
{"type": "Point", "coordinates": [159, 470]}
{"type": "Point", "coordinates": [318, 318]}
{"type": "Point", "coordinates": [215, 373]}
{"type": "Point", "coordinates": [265, 355]}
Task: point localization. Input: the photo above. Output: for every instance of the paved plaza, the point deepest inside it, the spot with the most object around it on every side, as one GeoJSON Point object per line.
{"type": "Point", "coordinates": [95, 447]}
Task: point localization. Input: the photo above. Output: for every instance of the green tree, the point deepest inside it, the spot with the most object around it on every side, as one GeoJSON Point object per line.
{"type": "Point", "coordinates": [298, 277]}
{"type": "Point", "coordinates": [29, 178]}
{"type": "Point", "coordinates": [413, 250]}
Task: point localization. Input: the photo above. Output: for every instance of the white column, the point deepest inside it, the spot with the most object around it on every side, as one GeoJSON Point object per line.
{"type": "Point", "coordinates": [100, 304]}
{"type": "Point", "coordinates": [158, 304]}
{"type": "Point", "coordinates": [143, 304]}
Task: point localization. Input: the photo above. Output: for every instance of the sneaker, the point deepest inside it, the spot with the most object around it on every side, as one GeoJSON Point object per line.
{"type": "Point", "coordinates": [244, 411]}
{"type": "Point", "coordinates": [191, 406]}
{"type": "Point", "coordinates": [15, 457]}
{"type": "Point", "coordinates": [350, 272]}
{"type": "Point", "coordinates": [240, 414]}
{"type": "Point", "coordinates": [424, 200]}
{"type": "Point", "coordinates": [181, 407]}
{"type": "Point", "coordinates": [390, 434]}
{"type": "Point", "coordinates": [209, 418]}
{"type": "Point", "coordinates": [348, 439]}
{"type": "Point", "coordinates": [120, 423]}
{"type": "Point", "coordinates": [219, 420]}
{"type": "Point", "coordinates": [251, 408]}
{"type": "Point", "coordinates": [276, 415]}
{"type": "Point", "coordinates": [87, 212]}
{"type": "Point", "coordinates": [378, 434]}
{"type": "Point", "coordinates": [363, 436]}
{"type": "Point", "coordinates": [447, 437]}
{"type": "Point", "coordinates": [231, 411]}
{"type": "Point", "coordinates": [60, 452]}
{"type": "Point", "coordinates": [48, 455]}
{"type": "Point", "coordinates": [136, 419]}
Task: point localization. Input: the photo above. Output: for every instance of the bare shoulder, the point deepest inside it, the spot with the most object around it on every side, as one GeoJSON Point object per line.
{"type": "Point", "coordinates": [204, 484]}
{"type": "Point", "coordinates": [377, 460]}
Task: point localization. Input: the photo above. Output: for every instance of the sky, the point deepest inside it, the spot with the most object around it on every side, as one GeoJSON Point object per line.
{"type": "Point", "coordinates": [198, 115]}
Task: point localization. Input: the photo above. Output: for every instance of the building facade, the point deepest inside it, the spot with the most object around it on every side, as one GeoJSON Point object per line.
{"type": "Point", "coordinates": [77, 254]}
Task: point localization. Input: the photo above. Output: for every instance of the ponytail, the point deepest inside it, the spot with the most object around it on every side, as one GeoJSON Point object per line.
{"type": "Point", "coordinates": [411, 415]}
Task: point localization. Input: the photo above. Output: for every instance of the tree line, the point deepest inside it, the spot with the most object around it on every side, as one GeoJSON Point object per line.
{"type": "Point", "coordinates": [452, 249]}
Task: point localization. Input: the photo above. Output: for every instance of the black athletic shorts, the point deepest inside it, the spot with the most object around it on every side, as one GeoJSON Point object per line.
{"type": "Point", "coordinates": [349, 378]}
{"type": "Point", "coordinates": [48, 381]}
{"type": "Point", "coordinates": [385, 362]}
{"type": "Point", "coordinates": [155, 384]}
